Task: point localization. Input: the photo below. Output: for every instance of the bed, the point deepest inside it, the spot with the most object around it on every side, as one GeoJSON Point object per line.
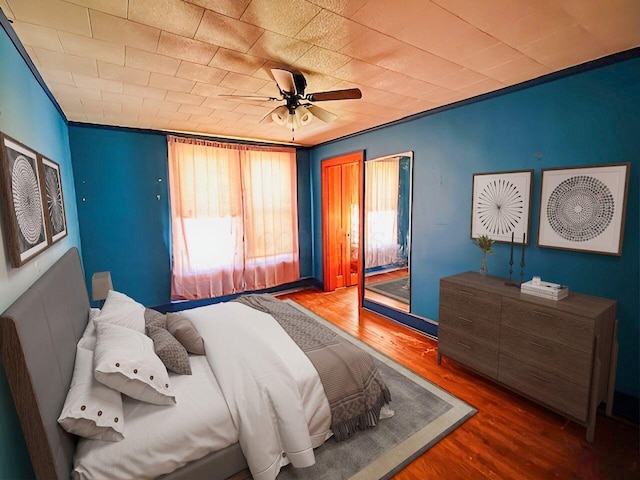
{"type": "Point", "coordinates": [38, 338]}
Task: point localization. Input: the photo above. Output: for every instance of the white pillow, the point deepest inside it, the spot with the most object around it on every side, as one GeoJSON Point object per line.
{"type": "Point", "coordinates": [125, 361]}
{"type": "Point", "coordinates": [119, 309]}
{"type": "Point", "coordinates": [91, 410]}
{"type": "Point", "coordinates": [88, 339]}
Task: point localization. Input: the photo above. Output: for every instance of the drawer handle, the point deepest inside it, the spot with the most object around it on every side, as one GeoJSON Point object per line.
{"type": "Point", "coordinates": [468, 294]}
{"type": "Point", "coordinates": [465, 345]}
{"type": "Point", "coordinates": [468, 320]}
{"type": "Point", "coordinates": [542, 314]}
{"type": "Point", "coordinates": [539, 345]}
{"type": "Point", "coordinates": [539, 377]}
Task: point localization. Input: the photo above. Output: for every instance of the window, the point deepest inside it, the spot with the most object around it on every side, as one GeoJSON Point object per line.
{"type": "Point", "coordinates": [234, 217]}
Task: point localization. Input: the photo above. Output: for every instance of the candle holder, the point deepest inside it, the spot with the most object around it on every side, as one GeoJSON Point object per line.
{"type": "Point", "coordinates": [510, 283]}
{"type": "Point", "coordinates": [522, 264]}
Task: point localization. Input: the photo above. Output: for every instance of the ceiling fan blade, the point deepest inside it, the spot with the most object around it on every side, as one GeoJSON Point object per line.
{"type": "Point", "coordinates": [259, 98]}
{"type": "Point", "coordinates": [321, 113]}
{"type": "Point", "coordinates": [285, 80]}
{"type": "Point", "coordinates": [348, 94]}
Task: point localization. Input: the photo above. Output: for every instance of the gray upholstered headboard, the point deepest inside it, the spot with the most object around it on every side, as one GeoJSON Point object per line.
{"type": "Point", "coordinates": [38, 337]}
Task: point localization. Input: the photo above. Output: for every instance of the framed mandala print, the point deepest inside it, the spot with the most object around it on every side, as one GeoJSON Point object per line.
{"type": "Point", "coordinates": [583, 208]}
{"type": "Point", "coordinates": [501, 205]}
{"type": "Point", "coordinates": [53, 200]}
{"type": "Point", "coordinates": [22, 208]}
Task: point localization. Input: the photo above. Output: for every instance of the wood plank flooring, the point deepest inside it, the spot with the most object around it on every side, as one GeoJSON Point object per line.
{"type": "Point", "coordinates": [510, 437]}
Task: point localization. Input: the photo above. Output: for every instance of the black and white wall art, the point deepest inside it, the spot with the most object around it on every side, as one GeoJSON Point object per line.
{"type": "Point", "coordinates": [501, 205]}
{"type": "Point", "coordinates": [22, 207]}
{"type": "Point", "coordinates": [582, 208]}
{"type": "Point", "coordinates": [53, 200]}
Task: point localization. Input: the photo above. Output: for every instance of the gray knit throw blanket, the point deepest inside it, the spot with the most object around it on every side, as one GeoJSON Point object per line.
{"type": "Point", "coordinates": [351, 381]}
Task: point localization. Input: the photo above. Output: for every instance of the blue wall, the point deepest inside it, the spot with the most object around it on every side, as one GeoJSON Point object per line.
{"type": "Point", "coordinates": [125, 229]}
{"type": "Point", "coordinates": [585, 119]}
{"type": "Point", "coordinates": [27, 115]}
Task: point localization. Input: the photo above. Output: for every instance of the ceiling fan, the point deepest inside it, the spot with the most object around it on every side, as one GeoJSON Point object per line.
{"type": "Point", "coordinates": [298, 110]}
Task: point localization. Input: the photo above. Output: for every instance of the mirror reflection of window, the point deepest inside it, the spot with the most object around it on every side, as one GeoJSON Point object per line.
{"type": "Point", "coordinates": [387, 217]}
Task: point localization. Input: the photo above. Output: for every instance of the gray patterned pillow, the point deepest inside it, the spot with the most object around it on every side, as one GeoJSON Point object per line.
{"type": "Point", "coordinates": [171, 352]}
{"type": "Point", "coordinates": [181, 327]}
{"type": "Point", "coordinates": [155, 318]}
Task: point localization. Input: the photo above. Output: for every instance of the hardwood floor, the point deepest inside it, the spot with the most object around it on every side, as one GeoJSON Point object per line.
{"type": "Point", "coordinates": [510, 437]}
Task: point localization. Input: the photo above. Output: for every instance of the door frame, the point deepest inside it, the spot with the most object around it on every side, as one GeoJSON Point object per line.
{"type": "Point", "coordinates": [352, 157]}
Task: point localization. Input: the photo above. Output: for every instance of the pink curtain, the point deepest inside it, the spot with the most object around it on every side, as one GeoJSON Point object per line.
{"type": "Point", "coordinates": [234, 218]}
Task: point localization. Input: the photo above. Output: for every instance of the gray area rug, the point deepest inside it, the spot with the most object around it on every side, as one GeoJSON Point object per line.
{"type": "Point", "coordinates": [392, 288]}
{"type": "Point", "coordinates": [424, 414]}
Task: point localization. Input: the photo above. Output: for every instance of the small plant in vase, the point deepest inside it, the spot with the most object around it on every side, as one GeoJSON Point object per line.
{"type": "Point", "coordinates": [485, 244]}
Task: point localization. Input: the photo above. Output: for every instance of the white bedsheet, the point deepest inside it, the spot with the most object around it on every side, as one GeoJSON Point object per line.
{"type": "Point", "coordinates": [160, 439]}
{"type": "Point", "coordinates": [273, 392]}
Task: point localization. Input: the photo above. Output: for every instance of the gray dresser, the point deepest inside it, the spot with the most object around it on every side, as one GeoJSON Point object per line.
{"type": "Point", "coordinates": [561, 354]}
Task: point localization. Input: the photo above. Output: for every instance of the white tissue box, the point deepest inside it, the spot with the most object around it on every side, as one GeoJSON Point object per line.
{"type": "Point", "coordinates": [548, 290]}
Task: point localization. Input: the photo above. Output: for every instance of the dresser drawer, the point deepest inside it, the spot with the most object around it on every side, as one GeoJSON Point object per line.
{"type": "Point", "coordinates": [553, 357]}
{"type": "Point", "coordinates": [468, 351]}
{"type": "Point", "coordinates": [470, 326]}
{"type": "Point", "coordinates": [549, 323]}
{"type": "Point", "coordinates": [546, 387]}
{"type": "Point", "coordinates": [470, 301]}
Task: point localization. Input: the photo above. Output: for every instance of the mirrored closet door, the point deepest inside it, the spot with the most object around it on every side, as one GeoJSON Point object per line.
{"type": "Point", "coordinates": [387, 230]}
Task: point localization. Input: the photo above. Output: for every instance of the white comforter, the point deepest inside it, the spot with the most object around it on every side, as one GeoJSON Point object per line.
{"type": "Point", "coordinates": [273, 392]}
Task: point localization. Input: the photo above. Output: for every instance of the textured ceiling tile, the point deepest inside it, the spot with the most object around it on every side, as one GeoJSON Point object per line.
{"type": "Point", "coordinates": [174, 115]}
{"type": "Point", "coordinates": [37, 36]}
{"type": "Point", "coordinates": [461, 78]}
{"type": "Point", "coordinates": [171, 15]}
{"type": "Point", "coordinates": [242, 82]}
{"type": "Point", "coordinates": [517, 71]}
{"type": "Point", "coordinates": [616, 23]}
{"type": "Point", "coordinates": [124, 74]}
{"type": "Point", "coordinates": [484, 86]}
{"type": "Point", "coordinates": [200, 73]}
{"type": "Point", "coordinates": [160, 106]}
{"type": "Point", "coordinates": [88, 81]}
{"type": "Point", "coordinates": [62, 90]}
{"type": "Point", "coordinates": [184, 48]}
{"type": "Point", "coordinates": [577, 46]}
{"type": "Point", "coordinates": [91, 48]}
{"type": "Point", "coordinates": [123, 32]}
{"type": "Point", "coordinates": [62, 61]}
{"type": "Point", "coordinates": [425, 25]}
{"type": "Point", "coordinates": [491, 57]}
{"type": "Point", "coordinates": [7, 10]}
{"type": "Point", "coordinates": [346, 8]}
{"type": "Point", "coordinates": [144, 91]}
{"type": "Point", "coordinates": [52, 13]}
{"type": "Point", "coordinates": [223, 113]}
{"type": "Point", "coordinates": [329, 30]}
{"type": "Point", "coordinates": [321, 60]}
{"type": "Point", "coordinates": [195, 110]}
{"type": "Point", "coordinates": [359, 71]}
{"type": "Point", "coordinates": [150, 61]}
{"type": "Point", "coordinates": [121, 98]}
{"type": "Point", "coordinates": [114, 7]}
{"type": "Point", "coordinates": [98, 106]}
{"type": "Point", "coordinates": [207, 90]}
{"type": "Point", "coordinates": [227, 32]}
{"type": "Point", "coordinates": [545, 20]}
{"type": "Point", "coordinates": [159, 80]}
{"type": "Point", "coordinates": [33, 56]}
{"type": "Point", "coordinates": [230, 8]}
{"type": "Point", "coordinates": [489, 12]}
{"type": "Point", "coordinates": [278, 48]}
{"type": "Point", "coordinates": [249, 109]}
{"type": "Point", "coordinates": [185, 98]}
{"type": "Point", "coordinates": [317, 82]}
{"type": "Point", "coordinates": [286, 17]}
{"type": "Point", "coordinates": [57, 76]}
{"type": "Point", "coordinates": [236, 61]}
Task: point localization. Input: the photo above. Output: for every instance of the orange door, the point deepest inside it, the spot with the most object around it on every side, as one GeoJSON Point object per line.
{"type": "Point", "coordinates": [341, 179]}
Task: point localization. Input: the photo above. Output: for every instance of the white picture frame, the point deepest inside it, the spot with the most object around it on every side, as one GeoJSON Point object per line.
{"type": "Point", "coordinates": [501, 206]}
{"type": "Point", "coordinates": [583, 208]}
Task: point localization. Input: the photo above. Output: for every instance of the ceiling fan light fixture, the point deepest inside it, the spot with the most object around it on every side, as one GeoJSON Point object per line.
{"type": "Point", "coordinates": [280, 114]}
{"type": "Point", "coordinates": [303, 115]}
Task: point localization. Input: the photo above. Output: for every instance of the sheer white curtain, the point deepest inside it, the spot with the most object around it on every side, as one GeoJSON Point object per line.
{"type": "Point", "coordinates": [234, 218]}
{"type": "Point", "coordinates": [381, 212]}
